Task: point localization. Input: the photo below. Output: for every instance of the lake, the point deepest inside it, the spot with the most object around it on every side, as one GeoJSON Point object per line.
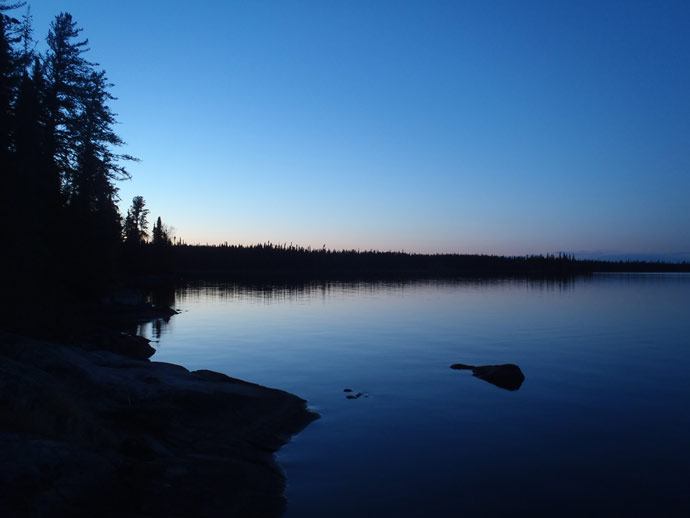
{"type": "Point", "coordinates": [599, 427]}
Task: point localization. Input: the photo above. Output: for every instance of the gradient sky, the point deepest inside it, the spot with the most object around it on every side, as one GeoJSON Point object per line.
{"type": "Point", "coordinates": [495, 127]}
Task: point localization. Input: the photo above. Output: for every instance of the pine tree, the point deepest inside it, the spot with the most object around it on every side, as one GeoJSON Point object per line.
{"type": "Point", "coordinates": [157, 233]}
{"type": "Point", "coordinates": [136, 222]}
{"type": "Point", "coordinates": [7, 82]}
{"type": "Point", "coordinates": [9, 71]}
{"type": "Point", "coordinates": [79, 144]}
{"type": "Point", "coordinates": [96, 166]}
{"type": "Point", "coordinates": [80, 124]}
{"type": "Point", "coordinates": [65, 73]}
{"type": "Point", "coordinates": [30, 137]}
{"type": "Point", "coordinates": [160, 235]}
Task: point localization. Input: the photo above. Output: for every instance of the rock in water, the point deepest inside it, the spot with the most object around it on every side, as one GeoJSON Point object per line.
{"type": "Point", "coordinates": [461, 366]}
{"type": "Point", "coordinates": [507, 376]}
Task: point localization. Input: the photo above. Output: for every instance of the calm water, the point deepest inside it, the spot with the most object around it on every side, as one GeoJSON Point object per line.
{"type": "Point", "coordinates": [600, 426]}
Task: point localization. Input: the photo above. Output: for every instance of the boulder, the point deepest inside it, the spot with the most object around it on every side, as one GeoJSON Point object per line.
{"type": "Point", "coordinates": [507, 376]}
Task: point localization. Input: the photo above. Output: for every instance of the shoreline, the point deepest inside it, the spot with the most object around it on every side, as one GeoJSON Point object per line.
{"type": "Point", "coordinates": [92, 431]}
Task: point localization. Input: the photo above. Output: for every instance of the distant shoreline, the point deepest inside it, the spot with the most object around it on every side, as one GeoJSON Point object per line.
{"type": "Point", "coordinates": [271, 262]}
{"type": "Point", "coordinates": [641, 273]}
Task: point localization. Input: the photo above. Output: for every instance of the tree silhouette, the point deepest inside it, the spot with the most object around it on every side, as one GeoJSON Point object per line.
{"type": "Point", "coordinates": [30, 138]}
{"type": "Point", "coordinates": [59, 167]}
{"type": "Point", "coordinates": [7, 73]}
{"type": "Point", "coordinates": [80, 143]}
{"type": "Point", "coordinates": [160, 234]}
{"type": "Point", "coordinates": [58, 163]}
{"type": "Point", "coordinates": [136, 223]}
{"type": "Point", "coordinates": [81, 121]}
{"type": "Point", "coordinates": [65, 75]}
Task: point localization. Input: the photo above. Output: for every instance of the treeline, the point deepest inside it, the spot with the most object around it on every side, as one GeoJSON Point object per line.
{"type": "Point", "coordinates": [61, 228]}
{"type": "Point", "coordinates": [272, 262]}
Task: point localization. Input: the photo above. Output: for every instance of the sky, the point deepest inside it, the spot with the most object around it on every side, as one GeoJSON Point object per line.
{"type": "Point", "coordinates": [498, 127]}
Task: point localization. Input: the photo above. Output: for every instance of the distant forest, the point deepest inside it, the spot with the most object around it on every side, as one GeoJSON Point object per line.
{"type": "Point", "coordinates": [63, 235]}
{"type": "Point", "coordinates": [278, 262]}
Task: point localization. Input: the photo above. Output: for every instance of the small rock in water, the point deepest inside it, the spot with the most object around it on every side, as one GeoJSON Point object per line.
{"type": "Point", "coordinates": [355, 396]}
{"type": "Point", "coordinates": [507, 376]}
{"type": "Point", "coordinates": [347, 390]}
{"type": "Point", "coordinates": [461, 366]}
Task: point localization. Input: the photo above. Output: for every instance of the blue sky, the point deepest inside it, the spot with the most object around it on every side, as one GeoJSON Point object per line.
{"type": "Point", "coordinates": [492, 127]}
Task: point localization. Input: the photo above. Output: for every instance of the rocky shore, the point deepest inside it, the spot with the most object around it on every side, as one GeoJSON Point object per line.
{"type": "Point", "coordinates": [95, 433]}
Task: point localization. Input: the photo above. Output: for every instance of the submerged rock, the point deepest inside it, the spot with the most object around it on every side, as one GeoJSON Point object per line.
{"type": "Point", "coordinates": [461, 366]}
{"type": "Point", "coordinates": [89, 433]}
{"type": "Point", "coordinates": [507, 376]}
{"type": "Point", "coordinates": [356, 395]}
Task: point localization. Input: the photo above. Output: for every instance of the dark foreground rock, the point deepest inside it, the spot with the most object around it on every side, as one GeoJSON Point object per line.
{"type": "Point", "coordinates": [507, 376]}
{"type": "Point", "coordinates": [97, 434]}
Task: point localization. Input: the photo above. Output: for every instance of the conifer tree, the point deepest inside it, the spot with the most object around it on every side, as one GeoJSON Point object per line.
{"type": "Point", "coordinates": [157, 233]}
{"type": "Point", "coordinates": [9, 70]}
{"type": "Point", "coordinates": [96, 166]}
{"type": "Point", "coordinates": [30, 126]}
{"type": "Point", "coordinates": [136, 222]}
{"type": "Point", "coordinates": [80, 142]}
{"type": "Point", "coordinates": [65, 72]}
{"type": "Point", "coordinates": [160, 235]}
{"type": "Point", "coordinates": [80, 125]}
{"type": "Point", "coordinates": [7, 81]}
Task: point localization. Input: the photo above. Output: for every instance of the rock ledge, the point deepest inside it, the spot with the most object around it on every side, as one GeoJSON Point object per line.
{"type": "Point", "coordinates": [88, 433]}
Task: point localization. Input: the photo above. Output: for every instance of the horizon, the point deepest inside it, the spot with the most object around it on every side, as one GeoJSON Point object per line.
{"type": "Point", "coordinates": [494, 129]}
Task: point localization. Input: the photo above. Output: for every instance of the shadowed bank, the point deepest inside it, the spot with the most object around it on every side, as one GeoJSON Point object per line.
{"type": "Point", "coordinates": [98, 434]}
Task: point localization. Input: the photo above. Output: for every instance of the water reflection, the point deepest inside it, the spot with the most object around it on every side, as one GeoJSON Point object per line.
{"type": "Point", "coordinates": [194, 292]}
{"type": "Point", "coordinates": [161, 296]}
{"type": "Point", "coordinates": [304, 292]}
{"type": "Point", "coordinates": [282, 292]}
{"type": "Point", "coordinates": [601, 423]}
